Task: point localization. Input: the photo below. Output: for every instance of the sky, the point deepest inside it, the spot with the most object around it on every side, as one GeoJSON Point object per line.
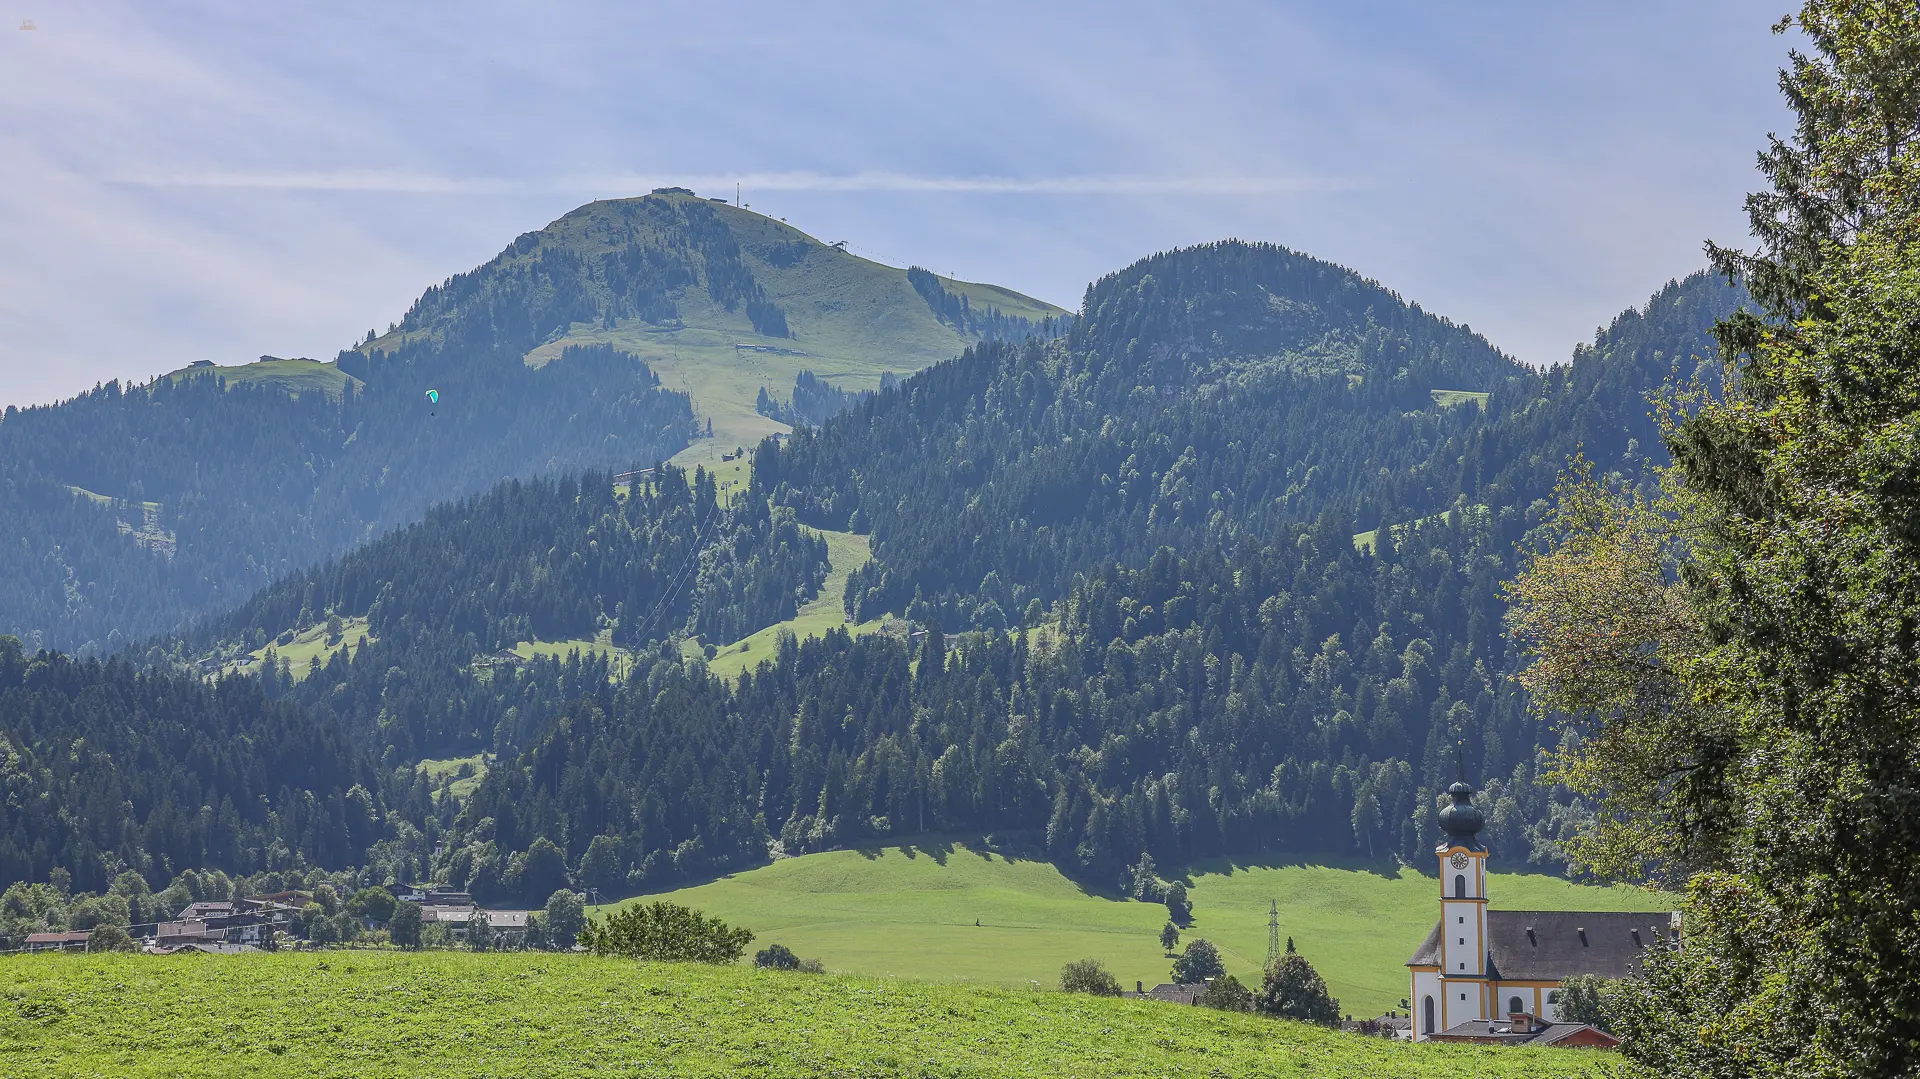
{"type": "Point", "coordinates": [224, 180]}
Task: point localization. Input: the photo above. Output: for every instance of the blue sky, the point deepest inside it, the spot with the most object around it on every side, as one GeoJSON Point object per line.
{"type": "Point", "coordinates": [221, 180]}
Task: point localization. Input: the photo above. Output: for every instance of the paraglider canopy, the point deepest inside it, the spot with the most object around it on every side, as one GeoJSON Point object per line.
{"type": "Point", "coordinates": [433, 397]}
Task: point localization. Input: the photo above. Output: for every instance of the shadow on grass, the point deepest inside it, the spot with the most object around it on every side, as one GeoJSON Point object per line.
{"type": "Point", "coordinates": [1387, 868]}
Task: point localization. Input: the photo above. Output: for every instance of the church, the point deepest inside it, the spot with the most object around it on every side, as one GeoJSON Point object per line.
{"type": "Point", "coordinates": [1495, 975]}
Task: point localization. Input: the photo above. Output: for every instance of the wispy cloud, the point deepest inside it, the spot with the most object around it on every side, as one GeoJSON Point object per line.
{"type": "Point", "coordinates": [405, 182]}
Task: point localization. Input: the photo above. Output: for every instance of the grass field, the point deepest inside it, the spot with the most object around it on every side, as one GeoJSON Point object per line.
{"type": "Point", "coordinates": [910, 911]}
{"type": "Point", "coordinates": [533, 1015]}
{"type": "Point", "coordinates": [461, 787]}
{"type": "Point", "coordinates": [294, 376]}
{"type": "Point", "coordinates": [1450, 398]}
{"type": "Point", "coordinates": [308, 645]}
{"type": "Point", "coordinates": [826, 611]}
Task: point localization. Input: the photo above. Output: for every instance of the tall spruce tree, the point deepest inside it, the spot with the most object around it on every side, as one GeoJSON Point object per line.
{"type": "Point", "coordinates": [1797, 493]}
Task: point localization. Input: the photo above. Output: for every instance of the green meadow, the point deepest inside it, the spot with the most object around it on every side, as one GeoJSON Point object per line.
{"type": "Point", "coordinates": [947, 910]}
{"type": "Point", "coordinates": [294, 376]}
{"type": "Point", "coordinates": [450, 1015]}
{"type": "Point", "coordinates": [308, 646]}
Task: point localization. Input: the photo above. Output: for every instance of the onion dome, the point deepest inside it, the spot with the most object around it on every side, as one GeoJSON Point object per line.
{"type": "Point", "coordinates": [1462, 820]}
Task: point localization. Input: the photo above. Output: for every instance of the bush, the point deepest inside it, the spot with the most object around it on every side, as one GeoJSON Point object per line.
{"type": "Point", "coordinates": [777, 957]}
{"type": "Point", "coordinates": [1585, 999]}
{"type": "Point", "coordinates": [1226, 994]}
{"type": "Point", "coordinates": [1089, 976]}
{"type": "Point", "coordinates": [109, 938]}
{"type": "Point", "coordinates": [374, 903]}
{"type": "Point", "coordinates": [1199, 962]}
{"type": "Point", "coordinates": [1292, 989]}
{"type": "Point", "coordinates": [666, 932]}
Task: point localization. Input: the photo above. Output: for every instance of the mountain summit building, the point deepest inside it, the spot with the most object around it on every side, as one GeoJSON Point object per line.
{"type": "Point", "coordinates": [1487, 967]}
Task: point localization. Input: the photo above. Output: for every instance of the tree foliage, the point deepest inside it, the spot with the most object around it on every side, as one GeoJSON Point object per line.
{"type": "Point", "coordinates": [1089, 976]}
{"type": "Point", "coordinates": [1801, 954]}
{"type": "Point", "coordinates": [1292, 989]}
{"type": "Point", "coordinates": [665, 932]}
{"type": "Point", "coordinates": [1200, 961]}
{"type": "Point", "coordinates": [1225, 993]}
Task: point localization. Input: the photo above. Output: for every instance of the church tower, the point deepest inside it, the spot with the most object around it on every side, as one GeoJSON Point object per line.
{"type": "Point", "coordinates": [1463, 908]}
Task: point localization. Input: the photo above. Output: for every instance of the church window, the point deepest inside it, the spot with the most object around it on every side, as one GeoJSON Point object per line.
{"type": "Point", "coordinates": [1459, 885]}
{"type": "Point", "coordinates": [1553, 997]}
{"type": "Point", "coordinates": [1514, 1005]}
{"type": "Point", "coordinates": [1428, 1009]}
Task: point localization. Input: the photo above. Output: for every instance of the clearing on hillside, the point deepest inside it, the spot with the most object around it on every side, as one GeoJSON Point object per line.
{"type": "Point", "coordinates": [533, 1015]}
{"type": "Point", "coordinates": [846, 552]}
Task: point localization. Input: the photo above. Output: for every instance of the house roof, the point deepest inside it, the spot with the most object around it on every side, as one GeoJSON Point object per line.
{"type": "Point", "coordinates": [1501, 1031]}
{"type": "Point", "coordinates": [76, 936]}
{"type": "Point", "coordinates": [1552, 946]}
{"type": "Point", "coordinates": [507, 919]}
{"type": "Point", "coordinates": [430, 912]}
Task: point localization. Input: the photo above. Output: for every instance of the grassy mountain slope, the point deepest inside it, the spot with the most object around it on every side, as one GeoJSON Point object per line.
{"type": "Point", "coordinates": [908, 910]}
{"type": "Point", "coordinates": [846, 318]}
{"type": "Point", "coordinates": [339, 1015]}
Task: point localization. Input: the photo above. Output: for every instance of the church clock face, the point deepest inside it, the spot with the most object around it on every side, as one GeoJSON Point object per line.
{"type": "Point", "coordinates": [1459, 860]}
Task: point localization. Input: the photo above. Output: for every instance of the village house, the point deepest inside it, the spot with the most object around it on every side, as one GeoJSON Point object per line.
{"type": "Point", "coordinates": [1496, 976]}
{"type": "Point", "coordinates": [1168, 992]}
{"type": "Point", "coordinates": [509, 926]}
{"type": "Point", "coordinates": [75, 941]}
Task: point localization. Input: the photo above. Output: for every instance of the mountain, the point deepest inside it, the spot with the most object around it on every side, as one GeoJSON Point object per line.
{"type": "Point", "coordinates": [720, 301]}
{"type": "Point", "coordinates": [1247, 520]}
{"type": "Point", "coordinates": [625, 333]}
{"type": "Point", "coordinates": [1212, 569]}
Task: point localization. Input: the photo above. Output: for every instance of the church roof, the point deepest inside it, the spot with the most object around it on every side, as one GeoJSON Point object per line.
{"type": "Point", "coordinates": [1551, 946]}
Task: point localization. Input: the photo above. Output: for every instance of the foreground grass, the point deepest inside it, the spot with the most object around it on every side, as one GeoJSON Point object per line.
{"type": "Point", "coordinates": [910, 910]}
{"type": "Point", "coordinates": [448, 1015]}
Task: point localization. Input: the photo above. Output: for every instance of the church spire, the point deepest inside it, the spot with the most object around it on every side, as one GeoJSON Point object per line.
{"type": "Point", "coordinates": [1462, 820]}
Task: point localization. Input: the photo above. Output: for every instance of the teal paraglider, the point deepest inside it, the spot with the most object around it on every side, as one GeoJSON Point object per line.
{"type": "Point", "coordinates": [433, 397]}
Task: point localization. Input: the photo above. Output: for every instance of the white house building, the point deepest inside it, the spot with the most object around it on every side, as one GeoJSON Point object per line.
{"type": "Point", "coordinates": [1486, 966]}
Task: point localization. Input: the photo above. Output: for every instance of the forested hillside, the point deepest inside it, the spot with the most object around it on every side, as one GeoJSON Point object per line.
{"type": "Point", "coordinates": [547, 560]}
{"type": "Point", "coordinates": [245, 483]}
{"type": "Point", "coordinates": [1321, 655]}
{"type": "Point", "coordinates": [1209, 399]}
{"type": "Point", "coordinates": [108, 768]}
